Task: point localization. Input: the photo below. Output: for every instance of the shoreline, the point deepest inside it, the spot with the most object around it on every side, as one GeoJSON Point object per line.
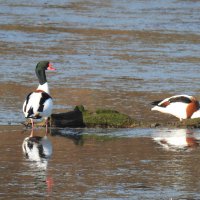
{"type": "Point", "coordinates": [134, 104]}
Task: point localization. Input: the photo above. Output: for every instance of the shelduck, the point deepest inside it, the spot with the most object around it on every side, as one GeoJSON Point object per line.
{"type": "Point", "coordinates": [39, 104]}
{"type": "Point", "coordinates": [180, 106]}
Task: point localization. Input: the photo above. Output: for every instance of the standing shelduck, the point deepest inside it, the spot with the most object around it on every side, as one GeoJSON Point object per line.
{"type": "Point", "coordinates": [180, 106]}
{"type": "Point", "coordinates": [39, 104]}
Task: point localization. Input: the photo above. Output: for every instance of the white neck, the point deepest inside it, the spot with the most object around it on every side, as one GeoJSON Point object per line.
{"type": "Point", "coordinates": [44, 88]}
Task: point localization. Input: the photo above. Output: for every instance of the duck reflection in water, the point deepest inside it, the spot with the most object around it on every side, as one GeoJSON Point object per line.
{"type": "Point", "coordinates": [38, 151]}
{"type": "Point", "coordinates": [177, 139]}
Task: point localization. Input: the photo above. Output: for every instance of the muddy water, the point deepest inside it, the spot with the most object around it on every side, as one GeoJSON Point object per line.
{"type": "Point", "coordinates": [115, 54]}
{"type": "Point", "coordinates": [102, 164]}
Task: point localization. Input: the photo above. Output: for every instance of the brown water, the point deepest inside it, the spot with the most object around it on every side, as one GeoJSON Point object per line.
{"type": "Point", "coordinates": [101, 164]}
{"type": "Point", "coordinates": [114, 54]}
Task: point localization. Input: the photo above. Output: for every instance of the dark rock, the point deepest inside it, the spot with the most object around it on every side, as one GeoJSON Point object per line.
{"type": "Point", "coordinates": [71, 119]}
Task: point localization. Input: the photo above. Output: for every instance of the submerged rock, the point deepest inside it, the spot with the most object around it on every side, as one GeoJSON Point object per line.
{"type": "Point", "coordinates": [71, 119]}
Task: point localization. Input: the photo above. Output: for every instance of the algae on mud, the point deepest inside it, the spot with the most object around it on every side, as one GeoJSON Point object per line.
{"type": "Point", "coordinates": [108, 118]}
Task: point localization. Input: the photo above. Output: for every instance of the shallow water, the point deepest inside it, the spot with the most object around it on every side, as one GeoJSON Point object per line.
{"type": "Point", "coordinates": [102, 164]}
{"type": "Point", "coordinates": [109, 45]}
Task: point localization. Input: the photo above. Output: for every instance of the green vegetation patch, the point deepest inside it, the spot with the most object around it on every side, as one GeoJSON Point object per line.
{"type": "Point", "coordinates": [107, 118]}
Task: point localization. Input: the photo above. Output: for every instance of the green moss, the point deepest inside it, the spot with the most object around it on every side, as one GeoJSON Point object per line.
{"type": "Point", "coordinates": [107, 118]}
{"type": "Point", "coordinates": [79, 108]}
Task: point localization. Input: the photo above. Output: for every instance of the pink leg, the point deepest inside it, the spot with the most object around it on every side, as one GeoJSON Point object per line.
{"type": "Point", "coordinates": [46, 126]}
{"type": "Point", "coordinates": [31, 135]}
{"type": "Point", "coordinates": [32, 122]}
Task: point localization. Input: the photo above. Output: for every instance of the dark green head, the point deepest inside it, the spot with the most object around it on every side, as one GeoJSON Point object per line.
{"type": "Point", "coordinates": [40, 71]}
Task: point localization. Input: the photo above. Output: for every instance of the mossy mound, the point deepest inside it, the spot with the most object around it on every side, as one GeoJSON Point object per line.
{"type": "Point", "coordinates": [81, 117]}
{"type": "Point", "coordinates": [107, 118]}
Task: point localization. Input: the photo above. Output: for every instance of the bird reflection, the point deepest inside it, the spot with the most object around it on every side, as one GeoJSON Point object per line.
{"type": "Point", "coordinates": [38, 151]}
{"type": "Point", "coordinates": [37, 148]}
{"type": "Point", "coordinates": [178, 139]}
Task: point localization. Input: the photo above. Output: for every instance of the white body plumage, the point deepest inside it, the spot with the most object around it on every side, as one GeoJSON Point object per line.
{"type": "Point", "coordinates": [180, 106]}
{"type": "Point", "coordinates": [38, 105]}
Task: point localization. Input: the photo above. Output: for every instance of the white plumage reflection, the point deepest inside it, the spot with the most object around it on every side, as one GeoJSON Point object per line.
{"type": "Point", "coordinates": [37, 149]}
{"type": "Point", "coordinates": [177, 139]}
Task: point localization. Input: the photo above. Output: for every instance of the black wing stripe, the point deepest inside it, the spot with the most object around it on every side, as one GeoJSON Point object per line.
{"type": "Point", "coordinates": [30, 112]}
{"type": "Point", "coordinates": [41, 151]}
{"type": "Point", "coordinates": [182, 99]}
{"type": "Point", "coordinates": [44, 97]}
{"type": "Point", "coordinates": [27, 100]}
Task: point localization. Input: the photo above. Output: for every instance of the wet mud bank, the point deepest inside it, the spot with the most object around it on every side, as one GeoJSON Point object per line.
{"type": "Point", "coordinates": [107, 118]}
{"type": "Point", "coordinates": [107, 109]}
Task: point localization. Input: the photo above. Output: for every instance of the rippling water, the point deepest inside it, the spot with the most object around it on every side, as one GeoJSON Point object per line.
{"type": "Point", "coordinates": [108, 45]}
{"type": "Point", "coordinates": [103, 164]}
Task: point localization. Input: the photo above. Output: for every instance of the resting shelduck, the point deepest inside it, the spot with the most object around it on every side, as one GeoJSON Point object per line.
{"type": "Point", "coordinates": [39, 104]}
{"type": "Point", "coordinates": [180, 106]}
